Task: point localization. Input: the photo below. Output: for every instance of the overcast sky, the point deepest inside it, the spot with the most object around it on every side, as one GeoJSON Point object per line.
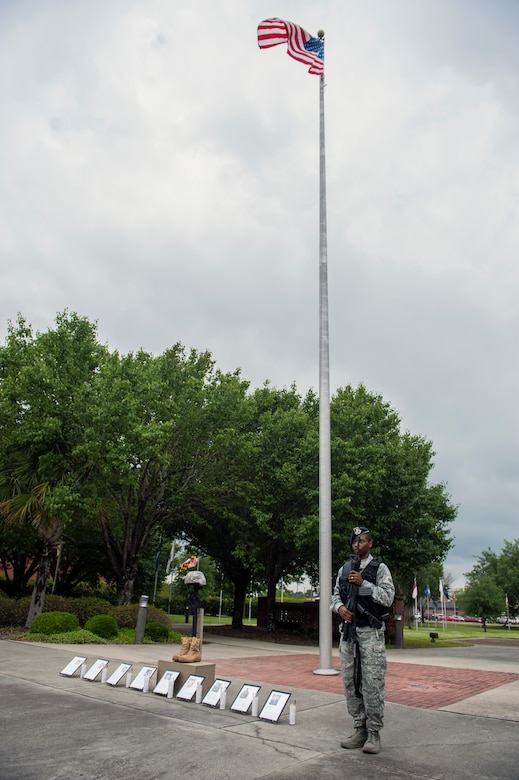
{"type": "Point", "coordinates": [159, 175]}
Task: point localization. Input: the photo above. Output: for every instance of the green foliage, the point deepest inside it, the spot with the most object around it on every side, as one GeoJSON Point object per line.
{"type": "Point", "coordinates": [19, 546]}
{"type": "Point", "coordinates": [54, 623]}
{"type": "Point", "coordinates": [78, 637]}
{"type": "Point", "coordinates": [119, 450]}
{"type": "Point", "coordinates": [104, 626]}
{"type": "Point", "coordinates": [13, 612]}
{"type": "Point", "coordinates": [46, 385]}
{"type": "Point", "coordinates": [503, 569]}
{"type": "Point", "coordinates": [126, 616]}
{"type": "Point", "coordinates": [157, 632]}
{"type": "Point", "coordinates": [380, 480]}
{"type": "Point", "coordinates": [211, 605]}
{"type": "Point", "coordinates": [489, 582]}
{"type": "Point", "coordinates": [84, 608]}
{"type": "Point", "coordinates": [482, 598]}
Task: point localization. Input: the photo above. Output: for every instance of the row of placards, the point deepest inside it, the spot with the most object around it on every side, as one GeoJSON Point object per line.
{"type": "Point", "coordinates": [246, 699]}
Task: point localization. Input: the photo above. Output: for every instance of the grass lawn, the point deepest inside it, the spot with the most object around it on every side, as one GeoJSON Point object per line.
{"type": "Point", "coordinates": [455, 634]}
{"type": "Point", "coordinates": [211, 620]}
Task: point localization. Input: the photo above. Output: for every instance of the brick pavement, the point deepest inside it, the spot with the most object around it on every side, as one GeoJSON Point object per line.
{"type": "Point", "coordinates": [427, 687]}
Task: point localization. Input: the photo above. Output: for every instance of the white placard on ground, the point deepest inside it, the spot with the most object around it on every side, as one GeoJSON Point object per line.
{"type": "Point", "coordinates": [274, 705]}
{"type": "Point", "coordinates": [145, 672]}
{"type": "Point", "coordinates": [244, 698]}
{"type": "Point", "coordinates": [119, 673]}
{"type": "Point", "coordinates": [212, 697]}
{"type": "Point", "coordinates": [163, 684]}
{"type": "Point", "coordinates": [188, 690]}
{"type": "Point", "coordinates": [72, 667]}
{"type": "Point", "coordinates": [95, 669]}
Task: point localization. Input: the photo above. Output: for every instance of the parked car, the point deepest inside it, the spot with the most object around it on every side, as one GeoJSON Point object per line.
{"type": "Point", "coordinates": [472, 619]}
{"type": "Point", "coordinates": [456, 618]}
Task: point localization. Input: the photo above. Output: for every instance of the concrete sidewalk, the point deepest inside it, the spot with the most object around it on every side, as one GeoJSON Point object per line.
{"type": "Point", "coordinates": [64, 727]}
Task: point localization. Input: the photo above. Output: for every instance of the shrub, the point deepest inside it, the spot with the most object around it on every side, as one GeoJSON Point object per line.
{"type": "Point", "coordinates": [104, 626]}
{"type": "Point", "coordinates": [78, 637]}
{"type": "Point", "coordinates": [156, 632]}
{"type": "Point", "coordinates": [54, 623]}
{"type": "Point", "coordinates": [126, 616]}
{"type": "Point", "coordinates": [13, 612]}
{"type": "Point", "coordinates": [83, 608]}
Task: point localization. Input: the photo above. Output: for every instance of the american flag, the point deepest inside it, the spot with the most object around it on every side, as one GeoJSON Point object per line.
{"type": "Point", "coordinates": [189, 564]}
{"type": "Point", "coordinates": [300, 44]}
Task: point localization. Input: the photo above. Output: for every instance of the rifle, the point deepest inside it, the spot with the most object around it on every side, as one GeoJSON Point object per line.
{"type": "Point", "coordinates": [351, 628]}
{"type": "Point", "coordinates": [373, 621]}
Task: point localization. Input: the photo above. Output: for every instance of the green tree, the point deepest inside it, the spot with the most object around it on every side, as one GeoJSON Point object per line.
{"type": "Point", "coordinates": [284, 477]}
{"type": "Point", "coordinates": [255, 510]}
{"type": "Point", "coordinates": [380, 479]}
{"type": "Point", "coordinates": [216, 516]}
{"type": "Point", "coordinates": [19, 554]}
{"type": "Point", "coordinates": [147, 437]}
{"type": "Point", "coordinates": [481, 597]}
{"type": "Point", "coordinates": [45, 388]}
{"type": "Point", "coordinates": [501, 569]}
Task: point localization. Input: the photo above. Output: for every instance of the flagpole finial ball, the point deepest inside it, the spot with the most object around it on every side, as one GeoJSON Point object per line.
{"type": "Point", "coordinates": [320, 34]}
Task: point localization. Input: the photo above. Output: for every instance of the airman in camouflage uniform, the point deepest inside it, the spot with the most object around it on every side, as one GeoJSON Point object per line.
{"type": "Point", "coordinates": [362, 631]}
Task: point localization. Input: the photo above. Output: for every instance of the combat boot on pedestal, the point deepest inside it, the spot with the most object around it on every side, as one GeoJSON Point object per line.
{"type": "Point", "coordinates": [194, 654]}
{"type": "Point", "coordinates": [184, 647]}
{"type": "Point", "coordinates": [357, 739]}
{"type": "Point", "coordinates": [372, 743]}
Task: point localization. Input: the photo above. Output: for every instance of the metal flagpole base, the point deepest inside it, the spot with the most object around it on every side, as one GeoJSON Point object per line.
{"type": "Point", "coordinates": [329, 672]}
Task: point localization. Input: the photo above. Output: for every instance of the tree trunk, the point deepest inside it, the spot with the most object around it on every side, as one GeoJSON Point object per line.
{"type": "Point", "coordinates": [125, 590]}
{"type": "Point", "coordinates": [38, 593]}
{"type": "Point", "coordinates": [50, 540]}
{"type": "Point", "coordinates": [240, 594]}
{"type": "Point", "coordinates": [271, 603]}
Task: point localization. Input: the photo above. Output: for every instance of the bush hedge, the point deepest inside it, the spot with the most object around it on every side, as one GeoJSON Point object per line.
{"type": "Point", "coordinates": [13, 612]}
{"type": "Point", "coordinates": [54, 623]}
{"type": "Point", "coordinates": [104, 626]}
{"type": "Point", "coordinates": [126, 616]}
{"type": "Point", "coordinates": [83, 608]}
{"type": "Point", "coordinates": [157, 632]}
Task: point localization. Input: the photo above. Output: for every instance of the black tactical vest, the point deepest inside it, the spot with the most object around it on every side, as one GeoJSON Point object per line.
{"type": "Point", "coordinates": [369, 573]}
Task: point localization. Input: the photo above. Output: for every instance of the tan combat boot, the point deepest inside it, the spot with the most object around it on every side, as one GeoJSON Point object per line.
{"type": "Point", "coordinates": [194, 654]}
{"type": "Point", "coordinates": [184, 647]}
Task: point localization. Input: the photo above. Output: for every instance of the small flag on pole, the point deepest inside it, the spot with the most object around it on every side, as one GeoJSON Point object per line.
{"type": "Point", "coordinates": [446, 593]}
{"type": "Point", "coordinates": [300, 44]}
{"type": "Point", "coordinates": [415, 589]}
{"type": "Point", "coordinates": [427, 591]}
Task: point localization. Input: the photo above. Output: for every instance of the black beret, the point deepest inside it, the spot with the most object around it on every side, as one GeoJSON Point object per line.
{"type": "Point", "coordinates": [358, 531]}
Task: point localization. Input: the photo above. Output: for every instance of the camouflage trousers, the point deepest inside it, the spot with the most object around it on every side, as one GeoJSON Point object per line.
{"type": "Point", "coordinates": [368, 710]}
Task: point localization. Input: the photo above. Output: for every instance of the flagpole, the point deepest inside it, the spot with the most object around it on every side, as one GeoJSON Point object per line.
{"type": "Point", "coordinates": [325, 515]}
